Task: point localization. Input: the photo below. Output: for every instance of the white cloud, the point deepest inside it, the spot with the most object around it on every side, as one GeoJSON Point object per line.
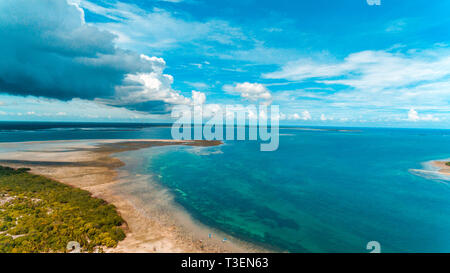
{"type": "Point", "coordinates": [306, 115]}
{"type": "Point", "coordinates": [396, 26]}
{"type": "Point", "coordinates": [141, 88]}
{"type": "Point", "coordinates": [429, 117]}
{"type": "Point", "coordinates": [373, 81]}
{"type": "Point", "coordinates": [197, 85]}
{"type": "Point", "coordinates": [159, 28]}
{"type": "Point", "coordinates": [273, 29]}
{"type": "Point", "coordinates": [199, 66]}
{"type": "Point", "coordinates": [73, 110]}
{"type": "Point", "coordinates": [86, 61]}
{"type": "Point", "coordinates": [413, 115]}
{"type": "Point", "coordinates": [323, 117]}
{"type": "Point", "coordinates": [371, 69]}
{"type": "Point", "coordinates": [294, 116]}
{"type": "Point", "coordinates": [198, 98]}
{"type": "Point", "coordinates": [250, 91]}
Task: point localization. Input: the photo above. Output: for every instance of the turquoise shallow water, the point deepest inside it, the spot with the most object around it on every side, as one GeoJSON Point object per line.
{"type": "Point", "coordinates": [321, 191]}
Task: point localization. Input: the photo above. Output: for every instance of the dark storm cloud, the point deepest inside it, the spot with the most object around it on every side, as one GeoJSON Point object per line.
{"type": "Point", "coordinates": [47, 50]}
{"type": "Point", "coordinates": [155, 107]}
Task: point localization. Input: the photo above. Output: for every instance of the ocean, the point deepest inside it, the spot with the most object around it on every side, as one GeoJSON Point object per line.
{"type": "Point", "coordinates": [323, 190]}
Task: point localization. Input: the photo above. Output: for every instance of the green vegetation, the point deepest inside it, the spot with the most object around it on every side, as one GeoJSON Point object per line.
{"type": "Point", "coordinates": [448, 163]}
{"type": "Point", "coordinates": [38, 214]}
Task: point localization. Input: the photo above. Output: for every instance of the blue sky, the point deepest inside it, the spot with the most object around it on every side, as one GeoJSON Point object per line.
{"type": "Point", "coordinates": [337, 63]}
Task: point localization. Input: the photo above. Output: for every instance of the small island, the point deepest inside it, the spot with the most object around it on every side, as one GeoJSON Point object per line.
{"type": "Point", "coordinates": [444, 166]}
{"type": "Point", "coordinates": [38, 214]}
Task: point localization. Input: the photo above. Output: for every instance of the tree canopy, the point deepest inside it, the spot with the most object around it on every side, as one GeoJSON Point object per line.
{"type": "Point", "coordinates": [38, 214]}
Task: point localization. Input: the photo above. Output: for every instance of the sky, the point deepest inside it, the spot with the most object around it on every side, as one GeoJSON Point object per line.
{"type": "Point", "coordinates": [325, 63]}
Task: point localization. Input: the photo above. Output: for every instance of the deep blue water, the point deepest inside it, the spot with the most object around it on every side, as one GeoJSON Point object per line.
{"type": "Point", "coordinates": [321, 191]}
{"type": "Point", "coordinates": [41, 131]}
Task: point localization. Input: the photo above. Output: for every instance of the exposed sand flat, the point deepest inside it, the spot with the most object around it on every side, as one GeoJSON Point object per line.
{"type": "Point", "coordinates": [443, 168]}
{"type": "Point", "coordinates": [89, 165]}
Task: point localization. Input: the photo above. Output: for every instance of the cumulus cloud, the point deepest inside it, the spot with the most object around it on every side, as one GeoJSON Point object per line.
{"type": "Point", "coordinates": [413, 115]}
{"type": "Point", "coordinates": [325, 118]}
{"type": "Point", "coordinates": [149, 91]}
{"type": "Point", "coordinates": [251, 91]}
{"type": "Point", "coordinates": [306, 115]}
{"type": "Point", "coordinates": [294, 116]}
{"type": "Point", "coordinates": [48, 50]}
{"type": "Point", "coordinates": [198, 98]}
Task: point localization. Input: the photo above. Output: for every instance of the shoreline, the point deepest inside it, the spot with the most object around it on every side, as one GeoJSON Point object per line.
{"type": "Point", "coordinates": [158, 226]}
{"type": "Point", "coordinates": [441, 165]}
